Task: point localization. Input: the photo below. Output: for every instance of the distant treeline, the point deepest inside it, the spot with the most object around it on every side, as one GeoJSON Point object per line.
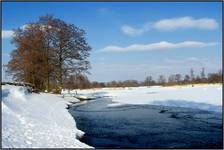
{"type": "Point", "coordinates": [82, 82]}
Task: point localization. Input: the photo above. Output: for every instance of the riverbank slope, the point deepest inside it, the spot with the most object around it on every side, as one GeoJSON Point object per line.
{"type": "Point", "coordinates": [31, 120]}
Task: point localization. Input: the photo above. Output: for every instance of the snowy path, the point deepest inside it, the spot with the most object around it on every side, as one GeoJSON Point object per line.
{"type": "Point", "coordinates": [37, 120]}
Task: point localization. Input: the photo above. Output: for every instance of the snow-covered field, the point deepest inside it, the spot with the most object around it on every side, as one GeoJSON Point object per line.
{"type": "Point", "coordinates": [37, 120]}
{"type": "Point", "coordinates": [205, 97]}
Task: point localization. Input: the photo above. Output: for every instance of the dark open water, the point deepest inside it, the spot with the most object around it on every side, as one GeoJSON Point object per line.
{"type": "Point", "coordinates": [147, 126]}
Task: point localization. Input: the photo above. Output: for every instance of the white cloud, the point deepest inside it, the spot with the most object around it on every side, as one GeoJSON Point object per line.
{"type": "Point", "coordinates": [134, 31]}
{"type": "Point", "coordinates": [157, 46]}
{"type": "Point", "coordinates": [7, 34]}
{"type": "Point", "coordinates": [130, 30]}
{"type": "Point", "coordinates": [172, 24]}
{"type": "Point", "coordinates": [186, 22]}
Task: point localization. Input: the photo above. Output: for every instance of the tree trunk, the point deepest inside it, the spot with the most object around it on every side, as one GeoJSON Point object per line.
{"type": "Point", "coordinates": [60, 69]}
{"type": "Point", "coordinates": [48, 68]}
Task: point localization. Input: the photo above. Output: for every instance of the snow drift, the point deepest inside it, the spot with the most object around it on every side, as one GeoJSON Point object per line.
{"type": "Point", "coordinates": [37, 120]}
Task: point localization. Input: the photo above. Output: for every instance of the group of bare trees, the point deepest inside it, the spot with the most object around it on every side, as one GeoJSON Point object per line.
{"type": "Point", "coordinates": [189, 79]}
{"type": "Point", "coordinates": [48, 52]}
{"type": "Point", "coordinates": [82, 82]}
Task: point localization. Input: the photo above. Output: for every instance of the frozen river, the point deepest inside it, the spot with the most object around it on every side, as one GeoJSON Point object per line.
{"type": "Point", "coordinates": [147, 126]}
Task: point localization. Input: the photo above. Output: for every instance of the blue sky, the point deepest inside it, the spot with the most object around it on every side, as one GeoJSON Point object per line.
{"type": "Point", "coordinates": [135, 39]}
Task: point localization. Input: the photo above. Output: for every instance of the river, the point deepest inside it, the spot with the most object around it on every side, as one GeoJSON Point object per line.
{"type": "Point", "coordinates": [146, 126]}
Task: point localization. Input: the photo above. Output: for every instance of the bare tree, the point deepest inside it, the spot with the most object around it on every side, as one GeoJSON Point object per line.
{"type": "Point", "coordinates": [203, 78]}
{"type": "Point", "coordinates": [192, 75]}
{"type": "Point", "coordinates": [172, 79]}
{"type": "Point", "coordinates": [26, 62]}
{"type": "Point", "coordinates": [162, 79]}
{"type": "Point", "coordinates": [70, 50]}
{"type": "Point", "coordinates": [215, 77]}
{"type": "Point", "coordinates": [186, 79]}
{"type": "Point", "coordinates": [148, 81]}
{"type": "Point", "coordinates": [178, 78]}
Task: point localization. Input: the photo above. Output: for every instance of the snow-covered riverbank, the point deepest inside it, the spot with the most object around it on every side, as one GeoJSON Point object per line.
{"type": "Point", "coordinates": [37, 120]}
{"type": "Point", "coordinates": [205, 97]}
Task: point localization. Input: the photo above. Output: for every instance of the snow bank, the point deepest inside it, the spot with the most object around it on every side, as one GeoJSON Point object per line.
{"type": "Point", "coordinates": [37, 120]}
{"type": "Point", "coordinates": [205, 97]}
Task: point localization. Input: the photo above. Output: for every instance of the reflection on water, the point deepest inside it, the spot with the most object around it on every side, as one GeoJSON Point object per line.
{"type": "Point", "coordinates": [147, 126]}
